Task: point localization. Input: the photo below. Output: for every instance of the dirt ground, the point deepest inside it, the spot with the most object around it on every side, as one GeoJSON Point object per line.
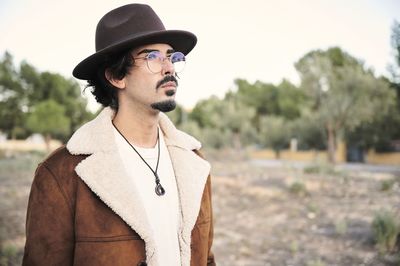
{"type": "Point", "coordinates": [315, 216]}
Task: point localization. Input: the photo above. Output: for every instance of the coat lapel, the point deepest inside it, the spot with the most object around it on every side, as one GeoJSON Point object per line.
{"type": "Point", "coordinates": [105, 175]}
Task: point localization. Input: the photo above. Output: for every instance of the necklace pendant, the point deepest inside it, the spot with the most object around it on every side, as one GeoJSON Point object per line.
{"type": "Point", "coordinates": [159, 190]}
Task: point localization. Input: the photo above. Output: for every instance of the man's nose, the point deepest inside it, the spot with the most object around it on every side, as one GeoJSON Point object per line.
{"type": "Point", "coordinates": [168, 67]}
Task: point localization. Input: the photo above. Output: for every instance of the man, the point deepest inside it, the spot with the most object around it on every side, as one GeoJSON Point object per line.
{"type": "Point", "coordinates": [128, 188]}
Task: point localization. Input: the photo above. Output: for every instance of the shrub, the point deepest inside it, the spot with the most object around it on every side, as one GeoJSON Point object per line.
{"type": "Point", "coordinates": [298, 188]}
{"type": "Point", "coordinates": [317, 262]}
{"type": "Point", "coordinates": [387, 185]}
{"type": "Point", "coordinates": [321, 168]}
{"type": "Point", "coordinates": [294, 247]}
{"type": "Point", "coordinates": [341, 227]}
{"type": "Point", "coordinates": [312, 169]}
{"type": "Point", "coordinates": [8, 255]}
{"type": "Point", "coordinates": [386, 230]}
{"type": "Point", "coordinates": [313, 207]}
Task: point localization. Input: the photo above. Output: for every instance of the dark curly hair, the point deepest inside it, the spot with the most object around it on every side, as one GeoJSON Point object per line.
{"type": "Point", "coordinates": [104, 92]}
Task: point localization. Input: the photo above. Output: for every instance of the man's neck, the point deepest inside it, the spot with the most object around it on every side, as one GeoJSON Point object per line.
{"type": "Point", "coordinates": [138, 126]}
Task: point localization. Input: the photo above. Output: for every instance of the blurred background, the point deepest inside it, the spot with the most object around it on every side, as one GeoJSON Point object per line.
{"type": "Point", "coordinates": [296, 104]}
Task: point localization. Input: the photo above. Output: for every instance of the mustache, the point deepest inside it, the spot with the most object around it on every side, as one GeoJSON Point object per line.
{"type": "Point", "coordinates": [167, 79]}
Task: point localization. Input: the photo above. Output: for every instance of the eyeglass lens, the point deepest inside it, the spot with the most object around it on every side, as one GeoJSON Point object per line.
{"type": "Point", "coordinates": [155, 61]}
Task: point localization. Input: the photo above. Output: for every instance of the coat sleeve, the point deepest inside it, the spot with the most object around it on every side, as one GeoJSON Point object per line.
{"type": "Point", "coordinates": [210, 258]}
{"type": "Point", "coordinates": [210, 255]}
{"type": "Point", "coordinates": [49, 222]}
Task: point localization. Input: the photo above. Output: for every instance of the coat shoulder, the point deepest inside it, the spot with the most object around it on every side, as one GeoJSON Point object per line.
{"type": "Point", "coordinates": [59, 166]}
{"type": "Point", "coordinates": [61, 161]}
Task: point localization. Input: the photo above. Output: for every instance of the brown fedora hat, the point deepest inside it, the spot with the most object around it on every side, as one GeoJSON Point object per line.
{"type": "Point", "coordinates": [127, 27]}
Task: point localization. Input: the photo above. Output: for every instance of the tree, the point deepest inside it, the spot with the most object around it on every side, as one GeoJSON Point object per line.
{"type": "Point", "coordinates": [343, 94]}
{"type": "Point", "coordinates": [291, 100]}
{"type": "Point", "coordinates": [310, 135]}
{"type": "Point", "coordinates": [178, 115]}
{"type": "Point", "coordinates": [395, 41]}
{"type": "Point", "coordinates": [225, 122]}
{"type": "Point", "coordinates": [284, 100]}
{"type": "Point", "coordinates": [383, 130]}
{"type": "Point", "coordinates": [42, 86]}
{"type": "Point", "coordinates": [21, 89]}
{"type": "Point", "coordinates": [205, 112]}
{"type": "Point", "coordinates": [48, 118]}
{"type": "Point", "coordinates": [237, 117]}
{"type": "Point", "coordinates": [275, 133]}
{"type": "Point", "coordinates": [261, 96]}
{"type": "Point", "coordinates": [12, 98]}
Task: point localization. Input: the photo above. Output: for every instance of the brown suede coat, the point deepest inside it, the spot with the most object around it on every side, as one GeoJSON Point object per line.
{"type": "Point", "coordinates": [80, 216]}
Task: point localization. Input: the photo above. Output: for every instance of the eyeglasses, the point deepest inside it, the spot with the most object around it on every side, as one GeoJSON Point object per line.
{"type": "Point", "coordinates": [155, 61]}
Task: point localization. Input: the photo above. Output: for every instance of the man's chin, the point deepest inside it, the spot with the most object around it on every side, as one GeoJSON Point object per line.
{"type": "Point", "coordinates": [164, 106]}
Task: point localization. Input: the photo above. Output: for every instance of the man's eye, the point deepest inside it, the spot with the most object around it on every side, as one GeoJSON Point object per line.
{"type": "Point", "coordinates": [177, 57]}
{"type": "Point", "coordinates": [152, 56]}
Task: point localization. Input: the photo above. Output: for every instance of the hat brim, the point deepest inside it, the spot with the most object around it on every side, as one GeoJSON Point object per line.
{"type": "Point", "coordinates": [182, 41]}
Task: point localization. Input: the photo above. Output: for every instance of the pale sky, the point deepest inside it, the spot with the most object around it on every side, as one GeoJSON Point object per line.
{"type": "Point", "coordinates": [252, 39]}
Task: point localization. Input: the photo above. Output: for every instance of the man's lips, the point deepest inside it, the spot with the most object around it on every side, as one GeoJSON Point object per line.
{"type": "Point", "coordinates": [169, 84]}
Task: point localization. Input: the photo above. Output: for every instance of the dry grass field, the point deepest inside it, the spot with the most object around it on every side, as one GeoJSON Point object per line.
{"type": "Point", "coordinates": [312, 216]}
{"type": "Point", "coordinates": [16, 174]}
{"type": "Point", "coordinates": [282, 215]}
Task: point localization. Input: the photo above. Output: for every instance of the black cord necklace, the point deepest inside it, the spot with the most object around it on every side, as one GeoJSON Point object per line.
{"type": "Point", "coordinates": [159, 188]}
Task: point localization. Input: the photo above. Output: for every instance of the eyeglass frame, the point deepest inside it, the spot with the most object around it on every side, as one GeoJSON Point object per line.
{"type": "Point", "coordinates": [163, 58]}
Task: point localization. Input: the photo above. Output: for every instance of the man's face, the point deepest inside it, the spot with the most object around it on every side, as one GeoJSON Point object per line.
{"type": "Point", "coordinates": [151, 88]}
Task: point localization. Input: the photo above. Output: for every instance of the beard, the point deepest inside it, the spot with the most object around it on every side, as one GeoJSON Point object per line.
{"type": "Point", "coordinates": [164, 106]}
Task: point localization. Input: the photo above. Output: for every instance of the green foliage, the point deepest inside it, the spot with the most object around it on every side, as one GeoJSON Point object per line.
{"type": "Point", "coordinates": [177, 116]}
{"type": "Point", "coordinates": [274, 132]}
{"type": "Point", "coordinates": [386, 229]}
{"type": "Point", "coordinates": [342, 93]}
{"type": "Point", "coordinates": [377, 134]}
{"type": "Point", "coordinates": [191, 128]}
{"type": "Point", "coordinates": [294, 247]}
{"type": "Point", "coordinates": [309, 133]}
{"type": "Point", "coordinates": [387, 185]}
{"type": "Point", "coordinates": [46, 85]}
{"type": "Point", "coordinates": [370, 135]}
{"type": "Point", "coordinates": [257, 95]}
{"type": "Point", "coordinates": [298, 188]}
{"type": "Point", "coordinates": [9, 255]}
{"type": "Point", "coordinates": [24, 88]}
{"type": "Point", "coordinates": [312, 169]}
{"type": "Point", "coordinates": [224, 122]}
{"type": "Point", "coordinates": [284, 100]}
{"type": "Point", "coordinates": [395, 40]}
{"type": "Point", "coordinates": [291, 100]}
{"type": "Point", "coordinates": [216, 138]}
{"type": "Point", "coordinates": [341, 227]}
{"type": "Point", "coordinates": [48, 118]}
{"type": "Point", "coordinates": [207, 113]}
{"type": "Point", "coordinates": [317, 262]}
{"type": "Point", "coordinates": [12, 97]}
{"type": "Point", "coordinates": [313, 207]}
{"type": "Point", "coordinates": [321, 168]}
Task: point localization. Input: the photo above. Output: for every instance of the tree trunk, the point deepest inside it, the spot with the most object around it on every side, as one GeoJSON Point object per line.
{"type": "Point", "coordinates": [331, 143]}
{"type": "Point", "coordinates": [278, 154]}
{"type": "Point", "coordinates": [47, 139]}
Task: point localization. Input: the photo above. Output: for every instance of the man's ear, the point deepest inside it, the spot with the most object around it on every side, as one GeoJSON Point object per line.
{"type": "Point", "coordinates": [119, 83]}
